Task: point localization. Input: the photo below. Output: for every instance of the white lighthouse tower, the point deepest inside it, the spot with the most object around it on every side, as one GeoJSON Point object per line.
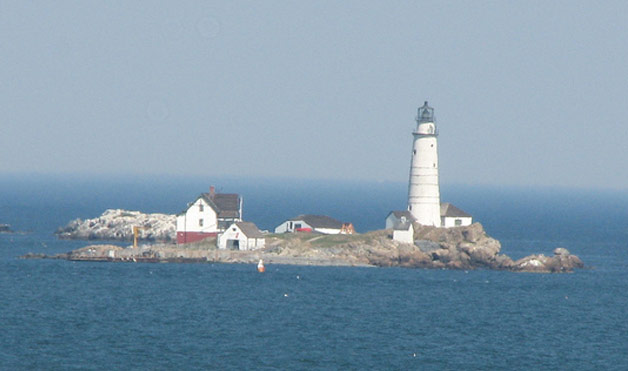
{"type": "Point", "coordinates": [423, 190]}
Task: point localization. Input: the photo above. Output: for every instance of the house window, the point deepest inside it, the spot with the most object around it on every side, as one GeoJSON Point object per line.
{"type": "Point", "coordinates": [200, 222]}
{"type": "Point", "coordinates": [200, 207]}
{"type": "Point", "coordinates": [297, 226]}
{"type": "Point", "coordinates": [458, 222]}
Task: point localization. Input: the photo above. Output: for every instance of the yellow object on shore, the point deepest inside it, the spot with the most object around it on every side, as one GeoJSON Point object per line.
{"type": "Point", "coordinates": [136, 232]}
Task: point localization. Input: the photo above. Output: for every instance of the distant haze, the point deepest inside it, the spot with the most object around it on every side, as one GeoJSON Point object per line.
{"type": "Point", "coordinates": [525, 93]}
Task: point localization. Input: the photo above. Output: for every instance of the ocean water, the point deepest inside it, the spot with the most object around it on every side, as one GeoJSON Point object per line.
{"type": "Point", "coordinates": [85, 315]}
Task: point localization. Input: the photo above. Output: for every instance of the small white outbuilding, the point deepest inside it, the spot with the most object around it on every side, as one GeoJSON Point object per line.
{"type": "Point", "coordinates": [241, 236]}
{"type": "Point", "coordinates": [403, 231]}
{"type": "Point", "coordinates": [452, 216]}
{"type": "Point", "coordinates": [395, 217]}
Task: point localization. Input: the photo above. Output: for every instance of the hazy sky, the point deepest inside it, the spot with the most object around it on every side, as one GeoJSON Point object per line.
{"type": "Point", "coordinates": [526, 92]}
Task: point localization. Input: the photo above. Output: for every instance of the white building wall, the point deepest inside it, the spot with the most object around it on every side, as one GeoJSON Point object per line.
{"type": "Point", "coordinates": [232, 233]}
{"type": "Point", "coordinates": [404, 236]}
{"type": "Point", "coordinates": [423, 189]}
{"type": "Point", "coordinates": [391, 219]}
{"type": "Point", "coordinates": [189, 221]}
{"type": "Point", "coordinates": [282, 228]}
{"type": "Point", "coordinates": [235, 233]}
{"type": "Point", "coordinates": [327, 230]}
{"type": "Point", "coordinates": [450, 221]}
{"type": "Point", "coordinates": [290, 226]}
{"type": "Point", "coordinates": [256, 243]}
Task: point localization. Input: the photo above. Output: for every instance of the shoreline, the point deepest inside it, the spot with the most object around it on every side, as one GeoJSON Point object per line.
{"type": "Point", "coordinates": [459, 248]}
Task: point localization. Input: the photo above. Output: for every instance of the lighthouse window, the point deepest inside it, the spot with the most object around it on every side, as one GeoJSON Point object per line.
{"type": "Point", "coordinates": [414, 152]}
{"type": "Point", "coordinates": [432, 145]}
{"type": "Point", "coordinates": [435, 164]}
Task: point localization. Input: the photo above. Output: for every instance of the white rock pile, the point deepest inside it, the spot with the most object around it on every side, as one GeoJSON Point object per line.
{"type": "Point", "coordinates": [117, 225]}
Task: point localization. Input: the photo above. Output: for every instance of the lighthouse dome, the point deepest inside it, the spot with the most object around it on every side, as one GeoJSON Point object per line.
{"type": "Point", "coordinates": [425, 114]}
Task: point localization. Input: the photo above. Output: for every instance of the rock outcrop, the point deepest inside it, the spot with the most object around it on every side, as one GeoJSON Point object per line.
{"type": "Point", "coordinates": [451, 248]}
{"type": "Point", "coordinates": [117, 225]}
{"type": "Point", "coordinates": [562, 261]}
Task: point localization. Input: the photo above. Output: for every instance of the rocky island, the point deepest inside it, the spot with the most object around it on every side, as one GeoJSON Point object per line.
{"type": "Point", "coordinates": [465, 248]}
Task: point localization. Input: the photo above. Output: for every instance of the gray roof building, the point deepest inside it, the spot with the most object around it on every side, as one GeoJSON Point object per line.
{"type": "Point", "coordinates": [402, 226]}
{"type": "Point", "coordinates": [319, 221]}
{"type": "Point", "coordinates": [403, 213]}
{"type": "Point", "coordinates": [449, 210]}
{"type": "Point", "coordinates": [249, 229]}
{"type": "Point", "coordinates": [226, 205]}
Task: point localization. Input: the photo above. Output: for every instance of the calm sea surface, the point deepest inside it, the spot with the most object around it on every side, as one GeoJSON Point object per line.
{"type": "Point", "coordinates": [71, 315]}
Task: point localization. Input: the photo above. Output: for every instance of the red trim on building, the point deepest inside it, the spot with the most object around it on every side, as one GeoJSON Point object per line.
{"type": "Point", "coordinates": [189, 237]}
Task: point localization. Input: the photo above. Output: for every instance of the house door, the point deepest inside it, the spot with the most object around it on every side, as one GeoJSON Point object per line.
{"type": "Point", "coordinates": [233, 244]}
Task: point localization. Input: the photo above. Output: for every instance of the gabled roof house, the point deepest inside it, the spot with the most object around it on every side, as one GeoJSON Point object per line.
{"type": "Point", "coordinates": [451, 216]}
{"type": "Point", "coordinates": [315, 223]}
{"type": "Point", "coordinates": [241, 236]}
{"type": "Point", "coordinates": [209, 214]}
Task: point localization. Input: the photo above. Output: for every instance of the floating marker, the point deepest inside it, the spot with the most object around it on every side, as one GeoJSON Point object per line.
{"type": "Point", "coordinates": [260, 266]}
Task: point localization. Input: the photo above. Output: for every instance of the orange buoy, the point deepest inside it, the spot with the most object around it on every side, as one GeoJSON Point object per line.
{"type": "Point", "coordinates": [260, 266]}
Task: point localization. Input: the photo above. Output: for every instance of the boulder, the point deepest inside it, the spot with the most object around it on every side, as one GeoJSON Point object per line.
{"type": "Point", "coordinates": [427, 246]}
{"type": "Point", "coordinates": [562, 261]}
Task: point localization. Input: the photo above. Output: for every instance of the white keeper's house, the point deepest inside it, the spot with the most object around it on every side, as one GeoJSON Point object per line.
{"type": "Point", "coordinates": [315, 223]}
{"type": "Point", "coordinates": [241, 236]}
{"type": "Point", "coordinates": [210, 214]}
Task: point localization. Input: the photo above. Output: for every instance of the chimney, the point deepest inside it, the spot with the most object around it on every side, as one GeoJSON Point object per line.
{"type": "Point", "coordinates": [212, 192]}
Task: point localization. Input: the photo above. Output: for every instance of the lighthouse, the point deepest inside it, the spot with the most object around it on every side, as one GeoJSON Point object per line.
{"type": "Point", "coordinates": [423, 188]}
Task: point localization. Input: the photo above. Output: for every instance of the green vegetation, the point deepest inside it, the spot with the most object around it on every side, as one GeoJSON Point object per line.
{"type": "Point", "coordinates": [322, 240]}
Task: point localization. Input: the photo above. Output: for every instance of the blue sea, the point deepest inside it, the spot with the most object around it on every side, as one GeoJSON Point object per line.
{"type": "Point", "coordinates": [56, 314]}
